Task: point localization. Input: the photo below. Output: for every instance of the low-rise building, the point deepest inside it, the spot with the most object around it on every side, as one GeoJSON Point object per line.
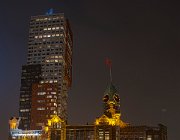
{"type": "Point", "coordinates": [107, 127]}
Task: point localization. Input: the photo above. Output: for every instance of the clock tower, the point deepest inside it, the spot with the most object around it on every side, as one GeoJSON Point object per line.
{"type": "Point", "coordinates": [111, 100]}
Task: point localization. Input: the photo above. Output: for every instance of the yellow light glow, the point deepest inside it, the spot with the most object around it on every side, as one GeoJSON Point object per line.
{"type": "Point", "coordinates": [14, 123]}
{"type": "Point", "coordinates": [115, 120]}
{"type": "Point", "coordinates": [46, 129]}
{"type": "Point", "coordinates": [49, 122]}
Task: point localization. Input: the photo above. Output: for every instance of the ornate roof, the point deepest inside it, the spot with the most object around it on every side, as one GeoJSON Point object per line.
{"type": "Point", "coordinates": [111, 91]}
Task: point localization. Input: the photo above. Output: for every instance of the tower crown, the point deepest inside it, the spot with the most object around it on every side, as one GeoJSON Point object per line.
{"type": "Point", "coordinates": [111, 94]}
{"type": "Point", "coordinates": [111, 102]}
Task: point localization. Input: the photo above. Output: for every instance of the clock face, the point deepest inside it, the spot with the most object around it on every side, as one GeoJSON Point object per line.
{"type": "Point", "coordinates": [116, 98]}
{"type": "Point", "coordinates": [105, 98]}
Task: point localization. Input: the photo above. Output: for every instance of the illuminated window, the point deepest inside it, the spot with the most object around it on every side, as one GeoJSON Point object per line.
{"type": "Point", "coordinates": [22, 99]}
{"type": "Point", "coordinates": [24, 110]}
{"type": "Point", "coordinates": [55, 104]}
{"type": "Point", "coordinates": [53, 100]}
{"type": "Point", "coordinates": [55, 18]}
{"type": "Point", "coordinates": [49, 96]}
{"type": "Point", "coordinates": [41, 101]}
{"type": "Point", "coordinates": [40, 108]}
{"type": "Point", "coordinates": [53, 92]}
{"type": "Point", "coordinates": [53, 108]}
{"type": "Point", "coordinates": [49, 89]}
{"type": "Point", "coordinates": [149, 137]}
{"type": "Point", "coordinates": [41, 93]}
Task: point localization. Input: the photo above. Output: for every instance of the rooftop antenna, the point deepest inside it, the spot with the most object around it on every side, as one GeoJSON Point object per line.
{"type": "Point", "coordinates": [109, 64]}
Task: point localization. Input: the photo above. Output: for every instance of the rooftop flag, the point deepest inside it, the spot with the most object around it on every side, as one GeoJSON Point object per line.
{"type": "Point", "coordinates": [109, 64]}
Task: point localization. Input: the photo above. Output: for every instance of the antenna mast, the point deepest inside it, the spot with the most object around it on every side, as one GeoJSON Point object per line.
{"type": "Point", "coordinates": [109, 64]}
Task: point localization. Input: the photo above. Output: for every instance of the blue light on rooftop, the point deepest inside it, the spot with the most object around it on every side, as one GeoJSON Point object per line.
{"type": "Point", "coordinates": [50, 11]}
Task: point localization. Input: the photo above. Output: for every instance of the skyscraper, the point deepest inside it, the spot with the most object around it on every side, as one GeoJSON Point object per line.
{"type": "Point", "coordinates": [48, 72]}
{"type": "Point", "coordinates": [30, 74]}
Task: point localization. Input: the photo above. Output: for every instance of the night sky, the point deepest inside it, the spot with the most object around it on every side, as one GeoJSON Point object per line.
{"type": "Point", "coordinates": [140, 36]}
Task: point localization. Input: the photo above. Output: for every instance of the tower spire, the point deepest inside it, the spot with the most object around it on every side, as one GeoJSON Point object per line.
{"type": "Point", "coordinates": [109, 64]}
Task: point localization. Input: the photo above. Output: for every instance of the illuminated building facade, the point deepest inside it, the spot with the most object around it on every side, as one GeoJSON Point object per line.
{"type": "Point", "coordinates": [49, 47]}
{"type": "Point", "coordinates": [144, 133]}
{"type": "Point", "coordinates": [44, 104]}
{"type": "Point", "coordinates": [58, 130]}
{"type": "Point", "coordinates": [106, 127]}
{"type": "Point", "coordinates": [18, 134]}
{"type": "Point", "coordinates": [81, 132]}
{"type": "Point", "coordinates": [30, 74]}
